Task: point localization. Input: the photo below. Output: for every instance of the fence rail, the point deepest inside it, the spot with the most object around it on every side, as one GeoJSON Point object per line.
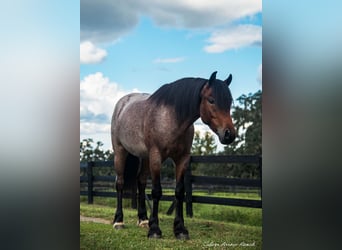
{"type": "Point", "coordinates": [190, 181]}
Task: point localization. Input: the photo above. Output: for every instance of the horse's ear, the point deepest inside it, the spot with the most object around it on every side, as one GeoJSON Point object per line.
{"type": "Point", "coordinates": [212, 77]}
{"type": "Point", "coordinates": [228, 80]}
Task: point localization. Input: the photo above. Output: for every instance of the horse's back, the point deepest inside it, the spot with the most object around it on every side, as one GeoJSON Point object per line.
{"type": "Point", "coordinates": [127, 123]}
{"type": "Point", "coordinates": [126, 101]}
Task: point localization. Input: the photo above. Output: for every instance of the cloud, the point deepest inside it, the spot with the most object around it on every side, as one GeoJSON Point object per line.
{"type": "Point", "coordinates": [234, 38]}
{"type": "Point", "coordinates": [200, 13]}
{"type": "Point", "coordinates": [104, 21]}
{"type": "Point", "coordinates": [91, 128]}
{"type": "Point", "coordinates": [259, 77]}
{"type": "Point", "coordinates": [98, 96]}
{"type": "Point", "coordinates": [108, 20]}
{"type": "Point", "coordinates": [90, 54]}
{"type": "Point", "coordinates": [169, 60]}
{"type": "Point", "coordinates": [88, 116]}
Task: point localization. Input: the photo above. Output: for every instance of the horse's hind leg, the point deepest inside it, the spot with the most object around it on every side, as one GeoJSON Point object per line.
{"type": "Point", "coordinates": [119, 165]}
{"type": "Point", "coordinates": [142, 178]}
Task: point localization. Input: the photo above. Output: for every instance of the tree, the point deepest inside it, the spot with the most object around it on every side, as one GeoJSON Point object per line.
{"type": "Point", "coordinates": [203, 145]}
{"type": "Point", "coordinates": [90, 153]}
{"type": "Point", "coordinates": [247, 121]}
{"type": "Point", "coordinates": [86, 150]}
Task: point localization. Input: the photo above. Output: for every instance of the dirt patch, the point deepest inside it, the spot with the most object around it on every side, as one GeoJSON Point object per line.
{"type": "Point", "coordinates": [95, 220]}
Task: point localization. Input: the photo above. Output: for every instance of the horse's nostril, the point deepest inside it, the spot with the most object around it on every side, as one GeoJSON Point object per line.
{"type": "Point", "coordinates": [227, 134]}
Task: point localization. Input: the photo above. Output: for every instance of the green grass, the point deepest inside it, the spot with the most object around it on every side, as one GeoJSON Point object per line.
{"type": "Point", "coordinates": [241, 215]}
{"type": "Point", "coordinates": [212, 227]}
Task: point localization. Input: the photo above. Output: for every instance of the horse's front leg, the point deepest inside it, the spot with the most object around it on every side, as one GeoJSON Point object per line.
{"type": "Point", "coordinates": [178, 227]}
{"type": "Point", "coordinates": [155, 165]}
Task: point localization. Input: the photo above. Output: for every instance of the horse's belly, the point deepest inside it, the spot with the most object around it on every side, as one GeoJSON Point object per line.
{"type": "Point", "coordinates": [138, 149]}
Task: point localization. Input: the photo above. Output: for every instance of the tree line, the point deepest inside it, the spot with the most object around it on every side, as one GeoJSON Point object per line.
{"type": "Point", "coordinates": [247, 120]}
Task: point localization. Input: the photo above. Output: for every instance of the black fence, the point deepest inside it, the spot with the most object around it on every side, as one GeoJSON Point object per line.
{"type": "Point", "coordinates": [190, 182]}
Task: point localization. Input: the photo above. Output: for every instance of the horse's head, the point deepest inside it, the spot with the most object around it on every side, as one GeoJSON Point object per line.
{"type": "Point", "coordinates": [216, 101]}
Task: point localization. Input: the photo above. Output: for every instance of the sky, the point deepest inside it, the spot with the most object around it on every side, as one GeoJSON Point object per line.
{"type": "Point", "coordinates": [137, 46]}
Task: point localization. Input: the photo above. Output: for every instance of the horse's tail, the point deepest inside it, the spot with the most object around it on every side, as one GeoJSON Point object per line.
{"type": "Point", "coordinates": [131, 171]}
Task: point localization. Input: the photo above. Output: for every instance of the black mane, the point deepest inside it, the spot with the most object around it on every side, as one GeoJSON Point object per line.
{"type": "Point", "coordinates": [221, 93]}
{"type": "Point", "coordinates": [184, 96]}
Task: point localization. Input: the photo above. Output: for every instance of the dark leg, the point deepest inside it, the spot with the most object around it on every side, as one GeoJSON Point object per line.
{"type": "Point", "coordinates": [119, 164]}
{"type": "Point", "coordinates": [155, 164]}
{"type": "Point", "coordinates": [142, 213]}
{"type": "Point", "coordinates": [178, 227]}
{"type": "Point", "coordinates": [154, 231]}
{"type": "Point", "coordinates": [118, 218]}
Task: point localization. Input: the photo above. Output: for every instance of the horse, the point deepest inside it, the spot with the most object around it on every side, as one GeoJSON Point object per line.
{"type": "Point", "coordinates": [148, 129]}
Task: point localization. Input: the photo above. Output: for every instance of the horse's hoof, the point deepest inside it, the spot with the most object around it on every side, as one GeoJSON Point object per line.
{"type": "Point", "coordinates": [118, 225]}
{"type": "Point", "coordinates": [154, 236]}
{"type": "Point", "coordinates": [154, 232]}
{"type": "Point", "coordinates": [182, 236]}
{"type": "Point", "coordinates": [143, 223]}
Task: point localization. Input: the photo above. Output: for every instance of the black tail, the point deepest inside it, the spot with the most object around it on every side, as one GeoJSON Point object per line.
{"type": "Point", "coordinates": [131, 172]}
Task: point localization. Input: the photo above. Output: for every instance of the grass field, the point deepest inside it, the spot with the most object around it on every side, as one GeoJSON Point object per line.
{"type": "Point", "coordinates": [212, 227]}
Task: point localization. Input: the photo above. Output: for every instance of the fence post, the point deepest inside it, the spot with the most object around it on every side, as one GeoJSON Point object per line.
{"type": "Point", "coordinates": [90, 181]}
{"type": "Point", "coordinates": [188, 190]}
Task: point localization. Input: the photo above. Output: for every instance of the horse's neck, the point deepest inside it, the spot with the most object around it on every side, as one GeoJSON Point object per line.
{"type": "Point", "coordinates": [186, 124]}
{"type": "Point", "coordinates": [164, 119]}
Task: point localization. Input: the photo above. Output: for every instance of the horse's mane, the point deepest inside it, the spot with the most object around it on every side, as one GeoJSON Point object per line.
{"type": "Point", "coordinates": [184, 96]}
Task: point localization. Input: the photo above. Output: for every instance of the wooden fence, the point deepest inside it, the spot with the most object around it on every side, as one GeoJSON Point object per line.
{"type": "Point", "coordinates": [190, 181]}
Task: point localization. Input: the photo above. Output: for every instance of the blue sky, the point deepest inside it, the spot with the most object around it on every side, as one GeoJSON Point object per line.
{"type": "Point", "coordinates": [138, 46]}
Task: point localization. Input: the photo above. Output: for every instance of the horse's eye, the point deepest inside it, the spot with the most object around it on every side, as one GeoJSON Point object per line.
{"type": "Point", "coordinates": [211, 100]}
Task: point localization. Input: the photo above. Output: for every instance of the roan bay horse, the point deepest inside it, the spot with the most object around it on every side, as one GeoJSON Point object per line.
{"type": "Point", "coordinates": [147, 129]}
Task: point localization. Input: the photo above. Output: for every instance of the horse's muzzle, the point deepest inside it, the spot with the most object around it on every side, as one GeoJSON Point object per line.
{"type": "Point", "coordinates": [227, 136]}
